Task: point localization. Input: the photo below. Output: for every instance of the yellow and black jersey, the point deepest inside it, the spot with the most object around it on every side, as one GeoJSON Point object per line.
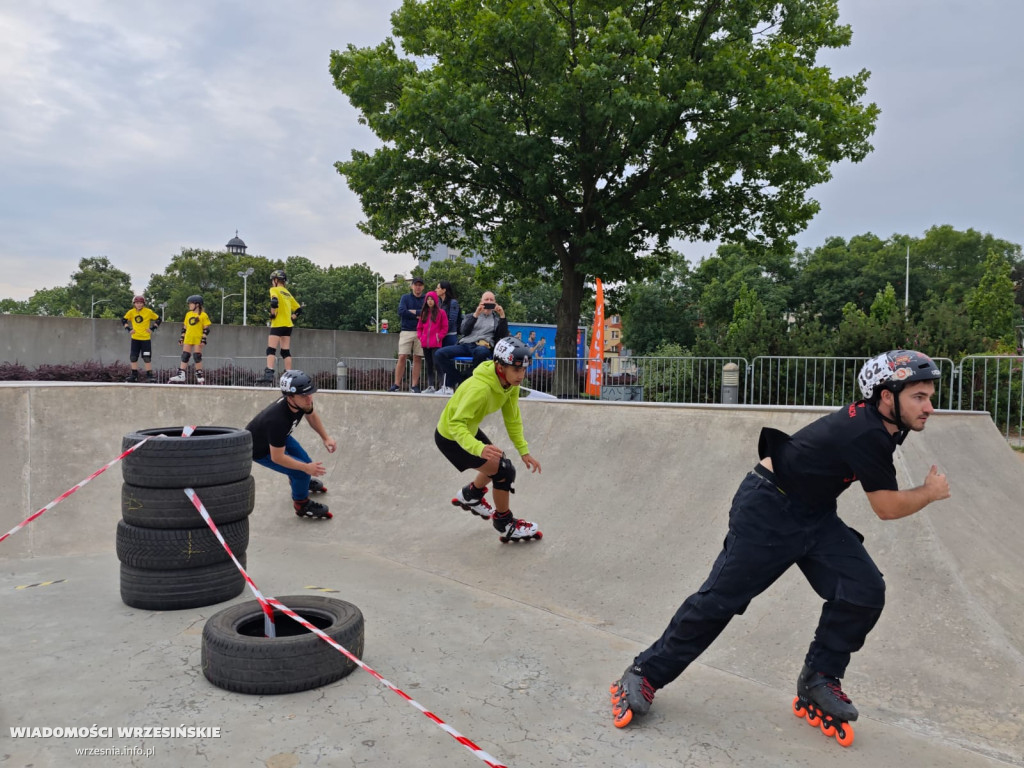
{"type": "Point", "coordinates": [195, 328]}
{"type": "Point", "coordinates": [285, 304]}
{"type": "Point", "coordinates": [139, 321]}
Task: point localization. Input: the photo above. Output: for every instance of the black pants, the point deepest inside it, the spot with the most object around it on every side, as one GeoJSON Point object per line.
{"type": "Point", "coordinates": [768, 532]}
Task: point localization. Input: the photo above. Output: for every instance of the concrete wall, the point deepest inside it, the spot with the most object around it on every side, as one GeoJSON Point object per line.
{"type": "Point", "coordinates": [32, 341]}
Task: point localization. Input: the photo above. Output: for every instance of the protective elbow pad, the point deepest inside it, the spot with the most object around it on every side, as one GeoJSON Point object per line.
{"type": "Point", "coordinates": [505, 476]}
{"type": "Point", "coordinates": [273, 302]}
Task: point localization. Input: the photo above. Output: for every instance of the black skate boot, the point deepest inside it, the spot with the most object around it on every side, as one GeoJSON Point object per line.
{"type": "Point", "coordinates": [268, 376]}
{"type": "Point", "coordinates": [312, 510]}
{"type": "Point", "coordinates": [512, 529]}
{"type": "Point", "coordinates": [150, 378]}
{"type": "Point", "coordinates": [133, 377]}
{"type": "Point", "coordinates": [820, 699]}
{"type": "Point", "coordinates": [315, 486]}
{"type": "Point", "coordinates": [632, 695]}
{"type": "Point", "coordinates": [472, 499]}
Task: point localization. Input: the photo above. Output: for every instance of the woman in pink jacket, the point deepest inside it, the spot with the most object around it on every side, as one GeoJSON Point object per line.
{"type": "Point", "coordinates": [431, 330]}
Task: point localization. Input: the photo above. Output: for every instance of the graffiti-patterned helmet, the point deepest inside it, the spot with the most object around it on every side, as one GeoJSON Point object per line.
{"type": "Point", "coordinates": [512, 351]}
{"type": "Point", "coordinates": [894, 370]}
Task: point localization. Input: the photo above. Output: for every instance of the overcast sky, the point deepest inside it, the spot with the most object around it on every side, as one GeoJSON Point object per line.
{"type": "Point", "coordinates": [132, 128]}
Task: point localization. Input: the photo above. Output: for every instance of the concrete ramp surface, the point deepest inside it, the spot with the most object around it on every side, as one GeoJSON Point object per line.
{"type": "Point", "coordinates": [513, 645]}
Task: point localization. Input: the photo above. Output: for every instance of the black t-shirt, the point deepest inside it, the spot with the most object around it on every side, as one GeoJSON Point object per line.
{"type": "Point", "coordinates": [271, 426]}
{"type": "Point", "coordinates": [824, 458]}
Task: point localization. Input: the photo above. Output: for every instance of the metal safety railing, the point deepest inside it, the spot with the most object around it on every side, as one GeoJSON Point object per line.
{"type": "Point", "coordinates": [989, 383]}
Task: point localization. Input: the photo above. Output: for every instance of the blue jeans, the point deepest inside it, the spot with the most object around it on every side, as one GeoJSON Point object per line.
{"type": "Point", "coordinates": [768, 532]}
{"type": "Point", "coordinates": [299, 479]}
{"type": "Point", "coordinates": [444, 359]}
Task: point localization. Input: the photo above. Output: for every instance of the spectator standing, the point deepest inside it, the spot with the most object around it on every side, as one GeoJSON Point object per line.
{"type": "Point", "coordinates": [451, 308]}
{"type": "Point", "coordinates": [140, 321]}
{"type": "Point", "coordinates": [431, 330]}
{"type": "Point", "coordinates": [195, 330]}
{"type": "Point", "coordinates": [409, 307]}
{"type": "Point", "coordinates": [480, 332]}
{"type": "Point", "coordinates": [283, 311]}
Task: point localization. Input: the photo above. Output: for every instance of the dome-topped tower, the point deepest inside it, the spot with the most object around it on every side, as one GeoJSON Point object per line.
{"type": "Point", "coordinates": [236, 245]}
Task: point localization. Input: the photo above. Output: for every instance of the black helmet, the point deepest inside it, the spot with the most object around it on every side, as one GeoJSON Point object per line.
{"type": "Point", "coordinates": [894, 370]}
{"type": "Point", "coordinates": [296, 382]}
{"type": "Point", "coordinates": [195, 298]}
{"type": "Point", "coordinates": [512, 351]}
{"type": "Point", "coordinates": [278, 274]}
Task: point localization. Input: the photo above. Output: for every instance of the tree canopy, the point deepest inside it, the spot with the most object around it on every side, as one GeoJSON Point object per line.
{"type": "Point", "coordinates": [577, 138]}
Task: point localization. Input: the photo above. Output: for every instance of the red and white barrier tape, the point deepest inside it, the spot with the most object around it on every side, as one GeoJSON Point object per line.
{"type": "Point", "coordinates": [187, 431]}
{"type": "Point", "coordinates": [70, 491]}
{"type": "Point", "coordinates": [483, 755]}
{"type": "Point", "coordinates": [268, 612]}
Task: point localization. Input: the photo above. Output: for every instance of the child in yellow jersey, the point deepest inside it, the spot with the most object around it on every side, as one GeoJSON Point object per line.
{"type": "Point", "coordinates": [493, 386]}
{"type": "Point", "coordinates": [140, 321]}
{"type": "Point", "coordinates": [283, 311]}
{"type": "Point", "coordinates": [194, 332]}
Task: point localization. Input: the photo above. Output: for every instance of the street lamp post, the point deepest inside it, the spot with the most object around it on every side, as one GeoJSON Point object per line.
{"type": "Point", "coordinates": [222, 297]}
{"type": "Point", "coordinates": [376, 319]}
{"type": "Point", "coordinates": [245, 291]}
{"type": "Point", "coordinates": [163, 310]}
{"type": "Point", "coordinates": [94, 303]}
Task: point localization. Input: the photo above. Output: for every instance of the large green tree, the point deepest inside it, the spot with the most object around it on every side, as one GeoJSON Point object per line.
{"type": "Point", "coordinates": [579, 137]}
{"type": "Point", "coordinates": [97, 280]}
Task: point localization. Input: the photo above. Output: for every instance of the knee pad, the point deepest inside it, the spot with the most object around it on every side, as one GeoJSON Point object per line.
{"type": "Point", "coordinates": [271, 350]}
{"type": "Point", "coordinates": [505, 476]}
{"type": "Point", "coordinates": [285, 353]}
{"type": "Point", "coordinates": [185, 356]}
{"type": "Point", "coordinates": [197, 356]}
{"type": "Point", "coordinates": [134, 357]}
{"type": "Point", "coordinates": [146, 357]}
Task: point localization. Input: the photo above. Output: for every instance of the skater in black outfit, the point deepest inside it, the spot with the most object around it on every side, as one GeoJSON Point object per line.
{"type": "Point", "coordinates": [274, 447]}
{"type": "Point", "coordinates": [784, 514]}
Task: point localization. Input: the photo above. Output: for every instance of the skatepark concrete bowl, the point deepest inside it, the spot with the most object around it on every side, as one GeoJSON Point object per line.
{"type": "Point", "coordinates": [514, 646]}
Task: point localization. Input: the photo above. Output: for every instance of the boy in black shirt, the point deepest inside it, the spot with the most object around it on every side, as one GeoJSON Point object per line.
{"type": "Point", "coordinates": [274, 447]}
{"type": "Point", "coordinates": [784, 513]}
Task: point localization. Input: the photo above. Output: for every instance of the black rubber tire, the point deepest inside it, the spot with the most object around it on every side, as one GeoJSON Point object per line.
{"type": "Point", "coordinates": [154, 590]}
{"type": "Point", "coordinates": [169, 549]}
{"type": "Point", "coordinates": [210, 456]}
{"type": "Point", "coordinates": [237, 657]}
{"type": "Point", "coordinates": [171, 508]}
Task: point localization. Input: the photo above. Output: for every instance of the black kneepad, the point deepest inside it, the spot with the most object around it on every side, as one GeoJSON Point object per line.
{"type": "Point", "coordinates": [197, 356]}
{"type": "Point", "coordinates": [146, 356]}
{"type": "Point", "coordinates": [286, 353]}
{"type": "Point", "coordinates": [271, 350]}
{"type": "Point", "coordinates": [185, 356]}
{"type": "Point", "coordinates": [505, 476]}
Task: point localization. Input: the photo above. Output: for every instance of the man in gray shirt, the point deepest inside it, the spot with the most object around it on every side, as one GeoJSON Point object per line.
{"type": "Point", "coordinates": [480, 331]}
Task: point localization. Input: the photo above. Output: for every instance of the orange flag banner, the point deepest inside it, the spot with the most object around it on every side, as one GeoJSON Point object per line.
{"type": "Point", "coordinates": [595, 361]}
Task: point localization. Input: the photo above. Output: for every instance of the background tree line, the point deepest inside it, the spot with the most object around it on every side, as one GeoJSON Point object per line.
{"type": "Point", "coordinates": [843, 298]}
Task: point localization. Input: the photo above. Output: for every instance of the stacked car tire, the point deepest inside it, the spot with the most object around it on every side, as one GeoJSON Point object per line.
{"type": "Point", "coordinates": [170, 559]}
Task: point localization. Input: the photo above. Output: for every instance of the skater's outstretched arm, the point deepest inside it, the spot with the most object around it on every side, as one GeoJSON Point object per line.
{"type": "Point", "coordinates": [531, 462]}
{"type": "Point", "coordinates": [892, 505]}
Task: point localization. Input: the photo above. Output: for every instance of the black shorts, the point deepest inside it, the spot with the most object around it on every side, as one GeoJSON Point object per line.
{"type": "Point", "coordinates": [281, 330]}
{"type": "Point", "coordinates": [140, 347]}
{"type": "Point", "coordinates": [460, 458]}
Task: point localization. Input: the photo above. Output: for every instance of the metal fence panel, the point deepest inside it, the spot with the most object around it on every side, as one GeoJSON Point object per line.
{"type": "Point", "coordinates": [993, 383]}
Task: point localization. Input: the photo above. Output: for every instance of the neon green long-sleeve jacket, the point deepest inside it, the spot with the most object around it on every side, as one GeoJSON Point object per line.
{"type": "Point", "coordinates": [479, 395]}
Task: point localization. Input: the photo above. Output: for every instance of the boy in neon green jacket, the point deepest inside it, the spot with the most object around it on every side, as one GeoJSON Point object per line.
{"type": "Point", "coordinates": [494, 385]}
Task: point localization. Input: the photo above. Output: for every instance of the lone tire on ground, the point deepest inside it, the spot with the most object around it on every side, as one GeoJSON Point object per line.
{"type": "Point", "coordinates": [237, 657]}
{"type": "Point", "coordinates": [209, 456]}
{"type": "Point", "coordinates": [176, 590]}
{"type": "Point", "coordinates": [171, 508]}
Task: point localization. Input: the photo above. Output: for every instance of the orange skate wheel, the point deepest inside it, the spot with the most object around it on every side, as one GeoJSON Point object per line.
{"type": "Point", "coordinates": [797, 709]}
{"type": "Point", "coordinates": [828, 729]}
{"type": "Point", "coordinates": [813, 719]}
{"type": "Point", "coordinates": [625, 719]}
{"type": "Point", "coordinates": [844, 735]}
